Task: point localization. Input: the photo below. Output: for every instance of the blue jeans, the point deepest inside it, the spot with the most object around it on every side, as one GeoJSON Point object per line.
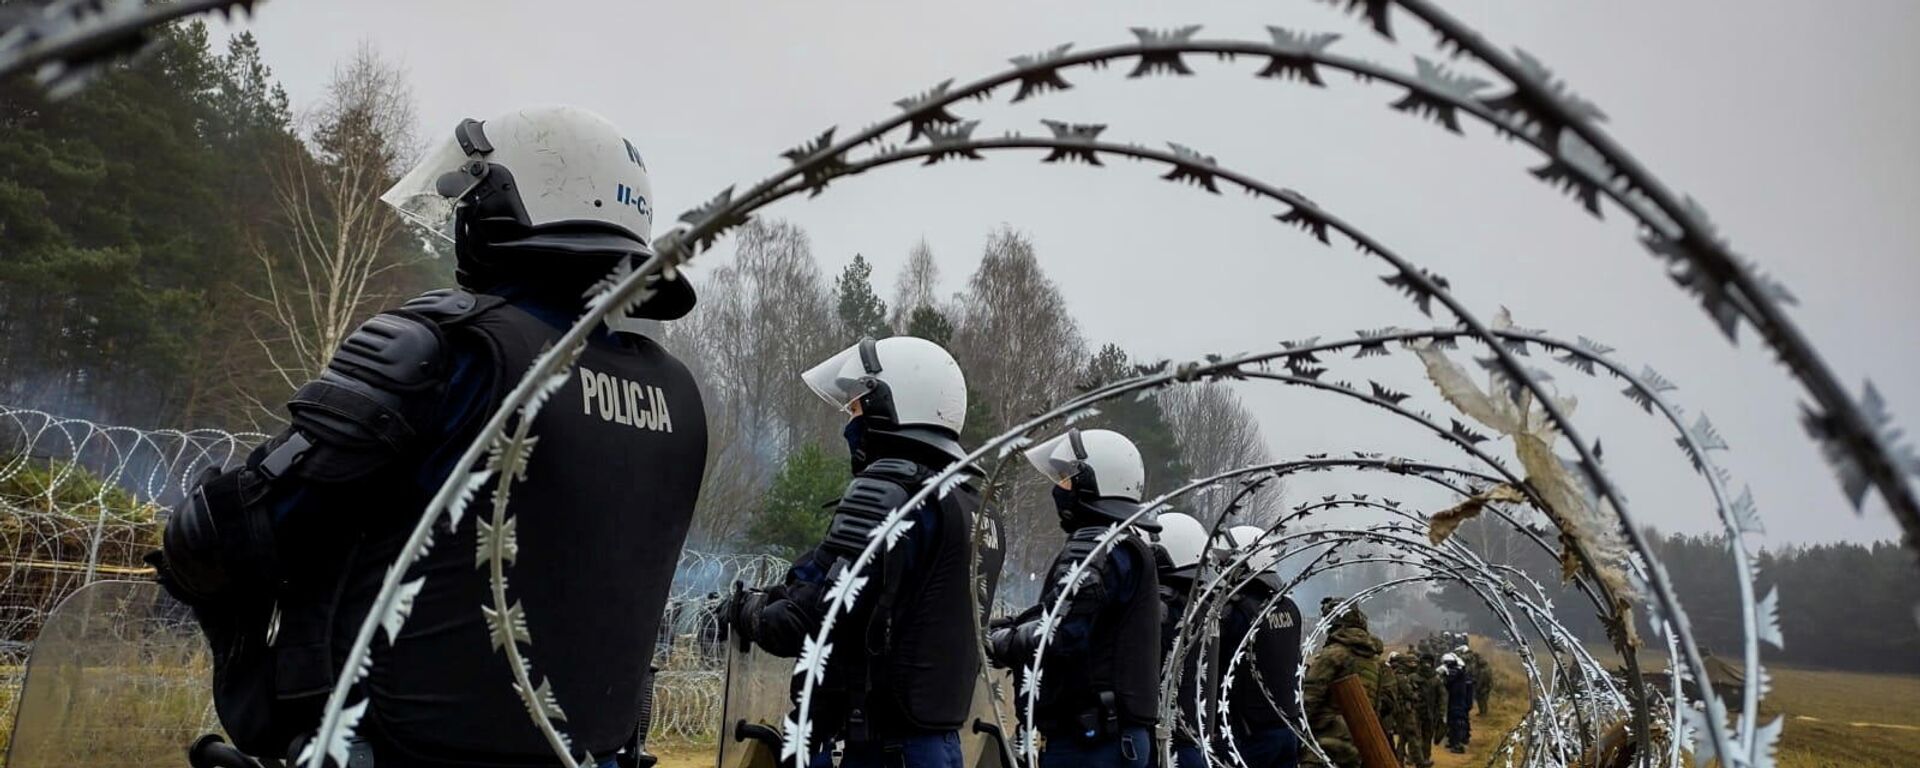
{"type": "Point", "coordinates": [1276, 747]}
{"type": "Point", "coordinates": [936, 750]}
{"type": "Point", "coordinates": [1188, 756]}
{"type": "Point", "coordinates": [1130, 749]}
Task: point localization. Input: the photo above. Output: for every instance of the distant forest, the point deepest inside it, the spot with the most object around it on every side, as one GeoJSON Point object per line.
{"type": "Point", "coordinates": [182, 246]}
{"type": "Point", "coordinates": [1841, 605]}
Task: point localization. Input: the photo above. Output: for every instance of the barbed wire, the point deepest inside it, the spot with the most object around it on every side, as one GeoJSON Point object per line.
{"type": "Point", "coordinates": [1857, 437]}
{"type": "Point", "coordinates": [82, 502]}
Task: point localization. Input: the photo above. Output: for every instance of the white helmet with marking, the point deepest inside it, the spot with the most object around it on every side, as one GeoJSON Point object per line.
{"type": "Point", "coordinates": [1101, 468]}
{"type": "Point", "coordinates": [1116, 471]}
{"type": "Point", "coordinates": [1243, 537]}
{"type": "Point", "coordinates": [550, 188]}
{"type": "Point", "coordinates": [1180, 543]}
{"type": "Point", "coordinates": [906, 386]}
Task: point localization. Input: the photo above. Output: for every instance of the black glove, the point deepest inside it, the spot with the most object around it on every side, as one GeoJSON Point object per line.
{"type": "Point", "coordinates": [1008, 646]}
{"type": "Point", "coordinates": [741, 612]}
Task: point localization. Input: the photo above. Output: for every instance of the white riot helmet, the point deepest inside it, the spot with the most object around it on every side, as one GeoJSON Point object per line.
{"type": "Point", "coordinates": [1180, 543]}
{"type": "Point", "coordinates": [1243, 538]}
{"type": "Point", "coordinates": [1103, 473]}
{"type": "Point", "coordinates": [1100, 461]}
{"type": "Point", "coordinates": [542, 186]}
{"type": "Point", "coordinates": [907, 387]}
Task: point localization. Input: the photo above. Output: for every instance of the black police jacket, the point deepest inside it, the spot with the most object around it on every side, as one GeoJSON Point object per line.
{"type": "Point", "coordinates": [599, 515]}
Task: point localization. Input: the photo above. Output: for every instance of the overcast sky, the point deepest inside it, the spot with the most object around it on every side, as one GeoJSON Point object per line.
{"type": "Point", "coordinates": [1792, 121]}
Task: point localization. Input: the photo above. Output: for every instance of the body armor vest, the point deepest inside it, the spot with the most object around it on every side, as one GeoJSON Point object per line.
{"type": "Point", "coordinates": [1273, 654]}
{"type": "Point", "coordinates": [1174, 595]}
{"type": "Point", "coordinates": [914, 669]}
{"type": "Point", "coordinates": [600, 515]}
{"type": "Point", "coordinates": [1118, 679]}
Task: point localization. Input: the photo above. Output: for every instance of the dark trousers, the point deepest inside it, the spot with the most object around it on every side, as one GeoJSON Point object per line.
{"type": "Point", "coordinates": [1188, 756]}
{"type": "Point", "coordinates": [1458, 730]}
{"type": "Point", "coordinates": [1276, 747]}
{"type": "Point", "coordinates": [934, 750]}
{"type": "Point", "coordinates": [1130, 749]}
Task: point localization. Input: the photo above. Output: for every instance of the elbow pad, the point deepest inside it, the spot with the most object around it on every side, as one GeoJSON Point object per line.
{"type": "Point", "coordinates": [219, 543]}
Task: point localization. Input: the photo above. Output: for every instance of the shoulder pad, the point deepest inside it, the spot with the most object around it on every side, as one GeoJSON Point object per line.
{"type": "Point", "coordinates": [867, 501]}
{"type": "Point", "coordinates": [370, 402]}
{"type": "Point", "coordinates": [442, 303]}
{"type": "Point", "coordinates": [1082, 542]}
{"type": "Point", "coordinates": [899, 471]}
{"type": "Point", "coordinates": [395, 351]}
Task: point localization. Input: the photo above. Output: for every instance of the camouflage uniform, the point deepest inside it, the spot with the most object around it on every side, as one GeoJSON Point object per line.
{"type": "Point", "coordinates": [1399, 705]}
{"type": "Point", "coordinates": [1387, 704]}
{"type": "Point", "coordinates": [1433, 707]}
{"type": "Point", "coordinates": [1350, 650]}
{"type": "Point", "coordinates": [1412, 743]}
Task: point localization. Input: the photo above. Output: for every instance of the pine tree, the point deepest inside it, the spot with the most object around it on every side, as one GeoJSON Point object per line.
{"type": "Point", "coordinates": [860, 310]}
{"type": "Point", "coordinates": [792, 518]}
{"type": "Point", "coordinates": [927, 323]}
{"type": "Point", "coordinates": [1140, 420]}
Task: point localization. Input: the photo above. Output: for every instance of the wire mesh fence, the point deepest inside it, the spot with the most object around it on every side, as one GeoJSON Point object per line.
{"type": "Point", "coordinates": [81, 503]}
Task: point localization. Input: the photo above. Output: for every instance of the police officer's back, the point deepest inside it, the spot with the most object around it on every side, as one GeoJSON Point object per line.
{"type": "Point", "coordinates": [281, 558]}
{"type": "Point", "coordinates": [1177, 550]}
{"type": "Point", "coordinates": [1262, 695]}
{"type": "Point", "coordinates": [901, 679]}
{"type": "Point", "coordinates": [1100, 693]}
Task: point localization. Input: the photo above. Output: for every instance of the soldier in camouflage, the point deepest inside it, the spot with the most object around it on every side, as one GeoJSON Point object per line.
{"type": "Point", "coordinates": [1399, 704]}
{"type": "Point", "coordinates": [1350, 650]}
{"type": "Point", "coordinates": [1433, 705]}
{"type": "Point", "coordinates": [1423, 707]}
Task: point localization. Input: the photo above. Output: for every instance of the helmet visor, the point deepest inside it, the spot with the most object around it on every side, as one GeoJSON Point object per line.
{"type": "Point", "coordinates": [1055, 458]}
{"type": "Point", "coordinates": [425, 197]}
{"type": "Point", "coordinates": [839, 380]}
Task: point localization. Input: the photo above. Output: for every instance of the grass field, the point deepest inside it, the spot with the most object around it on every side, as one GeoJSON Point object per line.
{"type": "Point", "coordinates": [1846, 718]}
{"type": "Point", "coordinates": [1833, 720]}
{"type": "Point", "coordinates": [1836, 719]}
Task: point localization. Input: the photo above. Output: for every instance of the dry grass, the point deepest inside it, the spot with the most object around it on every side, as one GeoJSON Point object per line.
{"type": "Point", "coordinates": [1846, 719]}
{"type": "Point", "coordinates": [1834, 719]}
{"type": "Point", "coordinates": [686, 756]}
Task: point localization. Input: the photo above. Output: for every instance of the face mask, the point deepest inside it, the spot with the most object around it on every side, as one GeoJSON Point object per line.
{"type": "Point", "coordinates": [856, 434]}
{"type": "Point", "coordinates": [1064, 502]}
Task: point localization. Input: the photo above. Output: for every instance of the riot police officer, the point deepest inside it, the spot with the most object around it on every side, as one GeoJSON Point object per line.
{"type": "Point", "coordinates": [281, 558]}
{"type": "Point", "coordinates": [901, 680]}
{"type": "Point", "coordinates": [1177, 551]}
{"type": "Point", "coordinates": [1100, 695]}
{"type": "Point", "coordinates": [1263, 698]}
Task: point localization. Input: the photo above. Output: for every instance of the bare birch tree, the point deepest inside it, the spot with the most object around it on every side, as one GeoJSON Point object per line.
{"type": "Point", "coordinates": [762, 320]}
{"type": "Point", "coordinates": [1021, 352]}
{"type": "Point", "coordinates": [919, 280]}
{"type": "Point", "coordinates": [1217, 433]}
{"type": "Point", "coordinates": [335, 244]}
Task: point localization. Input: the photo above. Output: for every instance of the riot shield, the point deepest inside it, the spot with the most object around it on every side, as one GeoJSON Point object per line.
{"type": "Point", "coordinates": [985, 740]}
{"type": "Point", "coordinates": [757, 699]}
{"type": "Point", "coordinates": [119, 676]}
